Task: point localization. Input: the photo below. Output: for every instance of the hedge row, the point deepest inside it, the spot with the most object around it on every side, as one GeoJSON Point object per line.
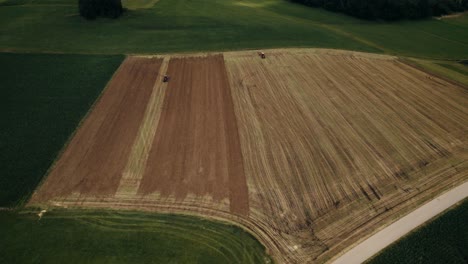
{"type": "Point", "coordinates": [91, 9]}
{"type": "Point", "coordinates": [390, 9]}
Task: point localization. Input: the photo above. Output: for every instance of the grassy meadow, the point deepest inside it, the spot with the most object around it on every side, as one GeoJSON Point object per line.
{"type": "Point", "coordinates": [138, 4]}
{"type": "Point", "coordinates": [54, 64]}
{"type": "Point", "coordinates": [443, 240]}
{"type": "Point", "coordinates": [44, 97]}
{"type": "Point", "coordinates": [80, 236]}
{"type": "Point", "coordinates": [203, 25]}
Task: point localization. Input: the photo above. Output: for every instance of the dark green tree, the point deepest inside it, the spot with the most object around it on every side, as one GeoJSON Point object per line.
{"type": "Point", "coordinates": [91, 9]}
{"type": "Point", "coordinates": [390, 9]}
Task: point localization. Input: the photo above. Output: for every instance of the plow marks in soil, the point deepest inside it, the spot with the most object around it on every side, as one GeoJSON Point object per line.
{"type": "Point", "coordinates": [335, 142]}
{"type": "Point", "coordinates": [93, 162]}
{"type": "Point", "coordinates": [146, 141]}
{"type": "Point", "coordinates": [196, 149]}
{"type": "Point", "coordinates": [310, 150]}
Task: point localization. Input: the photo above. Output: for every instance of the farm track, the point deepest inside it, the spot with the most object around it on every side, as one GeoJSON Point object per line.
{"type": "Point", "coordinates": [403, 226]}
{"type": "Point", "coordinates": [309, 150]}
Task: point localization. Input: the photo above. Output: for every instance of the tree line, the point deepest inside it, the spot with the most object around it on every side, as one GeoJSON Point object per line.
{"type": "Point", "coordinates": [91, 9]}
{"type": "Point", "coordinates": [390, 9]}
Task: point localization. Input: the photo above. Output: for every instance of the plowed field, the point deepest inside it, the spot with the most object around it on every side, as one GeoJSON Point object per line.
{"type": "Point", "coordinates": [336, 143]}
{"type": "Point", "coordinates": [310, 150]}
{"type": "Point", "coordinates": [196, 149]}
{"type": "Point", "coordinates": [94, 160]}
{"type": "Point", "coordinates": [146, 142]}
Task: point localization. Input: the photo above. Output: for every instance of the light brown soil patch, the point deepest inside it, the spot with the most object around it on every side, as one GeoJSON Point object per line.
{"type": "Point", "coordinates": [196, 148]}
{"type": "Point", "coordinates": [136, 164]}
{"type": "Point", "coordinates": [335, 144]}
{"type": "Point", "coordinates": [93, 162]}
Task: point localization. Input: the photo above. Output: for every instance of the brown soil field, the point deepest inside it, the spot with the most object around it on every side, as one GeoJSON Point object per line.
{"type": "Point", "coordinates": [93, 162]}
{"type": "Point", "coordinates": [335, 143]}
{"type": "Point", "coordinates": [181, 147]}
{"type": "Point", "coordinates": [196, 149]}
{"type": "Point", "coordinates": [309, 150]}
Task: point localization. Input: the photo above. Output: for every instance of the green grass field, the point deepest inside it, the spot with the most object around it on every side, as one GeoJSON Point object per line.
{"type": "Point", "coordinates": [138, 4]}
{"type": "Point", "coordinates": [443, 240]}
{"type": "Point", "coordinates": [44, 97]}
{"type": "Point", "coordinates": [449, 69]}
{"type": "Point", "coordinates": [75, 236]}
{"type": "Point", "coordinates": [201, 25]}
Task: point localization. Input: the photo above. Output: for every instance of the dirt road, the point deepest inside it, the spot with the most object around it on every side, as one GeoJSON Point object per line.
{"type": "Point", "coordinates": [395, 231]}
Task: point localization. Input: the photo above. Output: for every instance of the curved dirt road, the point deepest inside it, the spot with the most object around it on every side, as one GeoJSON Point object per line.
{"type": "Point", "coordinates": [395, 231]}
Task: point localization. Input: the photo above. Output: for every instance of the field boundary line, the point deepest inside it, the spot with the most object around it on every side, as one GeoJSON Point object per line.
{"type": "Point", "coordinates": [403, 226]}
{"type": "Point", "coordinates": [434, 74]}
{"type": "Point", "coordinates": [192, 52]}
{"type": "Point", "coordinates": [249, 225]}
{"type": "Point", "coordinates": [354, 37]}
{"type": "Point", "coordinates": [443, 38]}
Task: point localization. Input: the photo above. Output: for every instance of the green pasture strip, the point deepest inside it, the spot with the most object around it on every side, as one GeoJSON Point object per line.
{"type": "Point", "coordinates": [44, 97]}
{"type": "Point", "coordinates": [171, 26]}
{"type": "Point", "coordinates": [450, 69]}
{"type": "Point", "coordinates": [456, 67]}
{"type": "Point", "coordinates": [138, 4]}
{"type": "Point", "coordinates": [443, 240]}
{"type": "Point", "coordinates": [424, 39]}
{"type": "Point", "coordinates": [82, 236]}
{"type": "Point", "coordinates": [217, 25]}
